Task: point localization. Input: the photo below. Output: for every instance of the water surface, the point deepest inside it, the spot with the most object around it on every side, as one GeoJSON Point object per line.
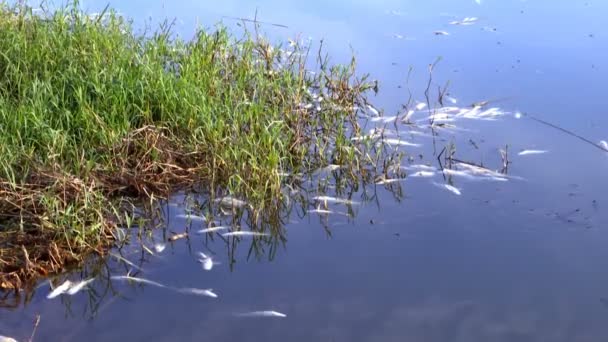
{"type": "Point", "coordinates": [522, 260]}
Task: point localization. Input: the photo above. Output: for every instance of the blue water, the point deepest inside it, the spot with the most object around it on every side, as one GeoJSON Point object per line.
{"type": "Point", "coordinates": [523, 260]}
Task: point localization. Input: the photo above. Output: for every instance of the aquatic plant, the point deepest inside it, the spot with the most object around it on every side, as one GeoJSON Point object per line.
{"type": "Point", "coordinates": [96, 119]}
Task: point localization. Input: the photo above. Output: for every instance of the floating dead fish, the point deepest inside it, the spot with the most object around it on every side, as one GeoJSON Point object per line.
{"type": "Point", "coordinates": [450, 188]}
{"type": "Point", "coordinates": [529, 152]}
{"type": "Point", "coordinates": [198, 292]}
{"type": "Point", "coordinates": [319, 211]}
{"type": "Point", "coordinates": [373, 110]}
{"type": "Point", "coordinates": [59, 290]}
{"type": "Point", "coordinates": [232, 202]}
{"type": "Point", "coordinates": [77, 287]}
{"type": "Point", "coordinates": [604, 144]}
{"type": "Point", "coordinates": [244, 233]}
{"type": "Point", "coordinates": [441, 33]}
{"type": "Point", "coordinates": [329, 199]}
{"type": "Point", "coordinates": [420, 106]}
{"type": "Point", "coordinates": [472, 176]}
{"type": "Point", "coordinates": [399, 142]}
{"type": "Point", "coordinates": [270, 313]}
{"type": "Point", "coordinates": [389, 181]}
{"type": "Point", "coordinates": [423, 174]}
{"type": "Point", "coordinates": [408, 116]}
{"type": "Point", "coordinates": [193, 218]}
{"type": "Point", "coordinates": [384, 119]}
{"type": "Point", "coordinates": [177, 237]}
{"type": "Point", "coordinates": [398, 36]}
{"type": "Point", "coordinates": [206, 261]}
{"type": "Point", "coordinates": [7, 339]}
{"type": "Point", "coordinates": [328, 168]}
{"type": "Point", "coordinates": [160, 247]}
{"type": "Point", "coordinates": [212, 229]}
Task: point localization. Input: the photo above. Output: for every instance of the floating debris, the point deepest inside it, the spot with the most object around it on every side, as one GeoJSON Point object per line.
{"type": "Point", "coordinates": [529, 152]}
{"type": "Point", "coordinates": [398, 36]}
{"type": "Point", "coordinates": [212, 229]}
{"type": "Point", "coordinates": [160, 247]}
{"type": "Point", "coordinates": [59, 290]}
{"type": "Point", "coordinates": [244, 233]}
{"type": "Point", "coordinates": [177, 237]}
{"type": "Point", "coordinates": [270, 313]}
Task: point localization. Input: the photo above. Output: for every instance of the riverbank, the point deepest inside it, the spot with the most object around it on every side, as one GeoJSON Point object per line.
{"type": "Point", "coordinates": [95, 118]}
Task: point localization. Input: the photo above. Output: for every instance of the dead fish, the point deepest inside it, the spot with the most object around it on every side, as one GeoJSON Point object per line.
{"type": "Point", "coordinates": [329, 168]}
{"type": "Point", "coordinates": [59, 290]}
{"type": "Point", "coordinates": [389, 181]}
{"type": "Point", "coordinates": [399, 142]}
{"type": "Point", "coordinates": [7, 339]}
{"type": "Point", "coordinates": [160, 247]}
{"type": "Point", "coordinates": [450, 188]}
{"type": "Point", "coordinates": [329, 199]}
{"type": "Point", "coordinates": [420, 106]}
{"type": "Point", "coordinates": [441, 33]}
{"type": "Point", "coordinates": [270, 313]}
{"type": "Point", "coordinates": [319, 211]}
{"type": "Point", "coordinates": [408, 116]}
{"type": "Point", "coordinates": [230, 201]}
{"type": "Point", "coordinates": [373, 110]}
{"type": "Point", "coordinates": [423, 174]}
{"type": "Point", "coordinates": [604, 144]}
{"type": "Point", "coordinates": [198, 292]}
{"type": "Point", "coordinates": [529, 152]}
{"type": "Point", "coordinates": [398, 36]}
{"type": "Point", "coordinates": [384, 119]}
{"type": "Point", "coordinates": [193, 218]}
{"type": "Point", "coordinates": [421, 167]}
{"type": "Point", "coordinates": [206, 261]}
{"type": "Point", "coordinates": [211, 229]}
{"type": "Point", "coordinates": [244, 233]}
{"type": "Point", "coordinates": [75, 288]}
{"type": "Point", "coordinates": [178, 237]}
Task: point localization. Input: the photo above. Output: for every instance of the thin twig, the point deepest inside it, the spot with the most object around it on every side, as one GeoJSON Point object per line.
{"type": "Point", "coordinates": [255, 21]}
{"type": "Point", "coordinates": [36, 322]}
{"type": "Point", "coordinates": [546, 123]}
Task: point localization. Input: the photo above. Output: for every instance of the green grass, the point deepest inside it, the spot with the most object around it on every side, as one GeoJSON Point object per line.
{"type": "Point", "coordinates": [92, 113]}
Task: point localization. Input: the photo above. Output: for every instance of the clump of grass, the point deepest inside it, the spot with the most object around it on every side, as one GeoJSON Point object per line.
{"type": "Point", "coordinates": [93, 115]}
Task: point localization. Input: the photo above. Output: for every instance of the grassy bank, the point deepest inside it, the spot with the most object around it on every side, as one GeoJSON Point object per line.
{"type": "Point", "coordinates": [94, 117]}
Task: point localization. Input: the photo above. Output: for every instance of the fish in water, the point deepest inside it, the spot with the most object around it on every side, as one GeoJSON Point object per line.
{"type": "Point", "coordinates": [198, 292]}
{"type": "Point", "coordinates": [193, 218]}
{"type": "Point", "coordinates": [59, 290]}
{"type": "Point", "coordinates": [400, 142]}
{"type": "Point", "coordinates": [450, 188]}
{"type": "Point", "coordinates": [244, 233]}
{"type": "Point", "coordinates": [7, 339]}
{"type": "Point", "coordinates": [528, 152]}
{"type": "Point", "coordinates": [423, 174]}
{"type": "Point", "coordinates": [420, 106]}
{"type": "Point", "coordinates": [206, 261]}
{"type": "Point", "coordinates": [77, 287]}
{"type": "Point", "coordinates": [211, 229]}
{"type": "Point", "coordinates": [329, 199]}
{"type": "Point", "coordinates": [373, 110]}
{"type": "Point", "coordinates": [230, 201]}
{"type": "Point", "coordinates": [160, 247]}
{"type": "Point", "coordinates": [269, 313]}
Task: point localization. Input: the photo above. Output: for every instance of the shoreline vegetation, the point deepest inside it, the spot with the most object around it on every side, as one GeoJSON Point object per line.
{"type": "Point", "coordinates": [96, 120]}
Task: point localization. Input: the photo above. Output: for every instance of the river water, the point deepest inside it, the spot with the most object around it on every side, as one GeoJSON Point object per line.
{"type": "Point", "coordinates": [519, 260]}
